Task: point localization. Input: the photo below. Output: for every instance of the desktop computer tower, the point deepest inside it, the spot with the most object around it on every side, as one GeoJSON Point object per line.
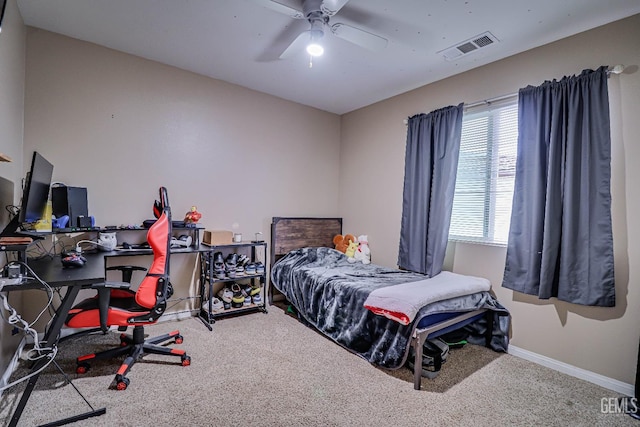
{"type": "Point", "coordinates": [71, 201]}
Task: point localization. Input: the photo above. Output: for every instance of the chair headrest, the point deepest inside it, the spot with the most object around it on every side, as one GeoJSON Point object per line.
{"type": "Point", "coordinates": [160, 205]}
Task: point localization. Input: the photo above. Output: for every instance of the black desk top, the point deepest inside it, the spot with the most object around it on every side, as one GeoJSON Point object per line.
{"type": "Point", "coordinates": [51, 271]}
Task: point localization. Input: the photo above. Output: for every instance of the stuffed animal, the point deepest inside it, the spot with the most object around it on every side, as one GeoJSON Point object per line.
{"type": "Point", "coordinates": [342, 242]}
{"type": "Point", "coordinates": [351, 250]}
{"type": "Point", "coordinates": [363, 253]}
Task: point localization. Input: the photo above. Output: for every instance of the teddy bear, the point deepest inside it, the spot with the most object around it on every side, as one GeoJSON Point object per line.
{"type": "Point", "coordinates": [342, 242]}
{"type": "Point", "coordinates": [363, 253]}
{"type": "Point", "coordinates": [351, 250]}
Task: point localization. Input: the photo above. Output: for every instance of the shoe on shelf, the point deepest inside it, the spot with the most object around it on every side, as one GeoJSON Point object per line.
{"type": "Point", "coordinates": [225, 294]}
{"type": "Point", "coordinates": [257, 299]}
{"type": "Point", "coordinates": [216, 305]}
{"type": "Point", "coordinates": [243, 260]}
{"type": "Point", "coordinates": [218, 266]}
{"type": "Point", "coordinates": [218, 261]}
{"type": "Point", "coordinates": [247, 301]}
{"type": "Point", "coordinates": [230, 265]}
{"type": "Point", "coordinates": [250, 269]}
{"type": "Point", "coordinates": [259, 268]}
{"type": "Point", "coordinates": [220, 274]}
{"type": "Point", "coordinates": [239, 270]}
{"type": "Point", "coordinates": [246, 289]}
{"type": "Point", "coordinates": [255, 289]}
{"type": "Point", "coordinates": [238, 298]}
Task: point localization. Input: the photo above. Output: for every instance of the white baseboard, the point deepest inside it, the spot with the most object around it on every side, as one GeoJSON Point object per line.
{"type": "Point", "coordinates": [179, 315]}
{"type": "Point", "coordinates": [583, 374]}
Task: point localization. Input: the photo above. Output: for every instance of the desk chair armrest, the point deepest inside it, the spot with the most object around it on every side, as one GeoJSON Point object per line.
{"type": "Point", "coordinates": [104, 299]}
{"type": "Point", "coordinates": [127, 270]}
{"type": "Point", "coordinates": [111, 285]}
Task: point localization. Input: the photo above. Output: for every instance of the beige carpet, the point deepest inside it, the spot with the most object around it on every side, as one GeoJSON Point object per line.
{"type": "Point", "coordinates": [270, 370]}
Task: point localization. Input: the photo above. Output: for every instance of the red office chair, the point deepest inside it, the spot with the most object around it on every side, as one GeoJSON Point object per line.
{"type": "Point", "coordinates": [117, 305]}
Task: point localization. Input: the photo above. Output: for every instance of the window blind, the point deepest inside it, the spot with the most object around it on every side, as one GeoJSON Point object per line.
{"type": "Point", "coordinates": [486, 173]}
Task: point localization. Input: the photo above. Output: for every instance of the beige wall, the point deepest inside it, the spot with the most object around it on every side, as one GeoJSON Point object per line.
{"type": "Point", "coordinates": [601, 340]}
{"type": "Point", "coordinates": [12, 68]}
{"type": "Point", "coordinates": [122, 126]}
{"type": "Point", "coordinates": [12, 65]}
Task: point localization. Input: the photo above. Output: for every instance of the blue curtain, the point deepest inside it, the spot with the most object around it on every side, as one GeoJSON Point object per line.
{"type": "Point", "coordinates": [431, 162]}
{"type": "Point", "coordinates": [560, 241]}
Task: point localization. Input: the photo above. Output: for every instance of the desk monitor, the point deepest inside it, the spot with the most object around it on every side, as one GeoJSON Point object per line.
{"type": "Point", "coordinates": [35, 196]}
{"type": "Point", "coordinates": [4, 7]}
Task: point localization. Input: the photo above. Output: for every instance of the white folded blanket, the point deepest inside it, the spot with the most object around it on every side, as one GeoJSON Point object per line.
{"type": "Point", "coordinates": [402, 302]}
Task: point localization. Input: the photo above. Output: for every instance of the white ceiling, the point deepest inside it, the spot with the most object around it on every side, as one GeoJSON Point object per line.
{"type": "Point", "coordinates": [239, 41]}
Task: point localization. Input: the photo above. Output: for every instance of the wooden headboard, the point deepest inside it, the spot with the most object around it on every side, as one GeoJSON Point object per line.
{"type": "Point", "coordinates": [288, 234]}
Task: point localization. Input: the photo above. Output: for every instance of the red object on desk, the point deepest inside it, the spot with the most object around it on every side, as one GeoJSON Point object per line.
{"type": "Point", "coordinates": [193, 216]}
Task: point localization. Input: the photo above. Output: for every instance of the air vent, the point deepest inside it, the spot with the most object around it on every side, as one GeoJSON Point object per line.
{"type": "Point", "coordinates": [468, 46]}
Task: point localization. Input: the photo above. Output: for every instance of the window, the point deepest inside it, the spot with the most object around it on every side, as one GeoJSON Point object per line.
{"type": "Point", "coordinates": [486, 174]}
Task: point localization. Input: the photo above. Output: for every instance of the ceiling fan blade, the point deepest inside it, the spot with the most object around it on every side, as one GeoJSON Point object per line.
{"type": "Point", "coordinates": [282, 40]}
{"type": "Point", "coordinates": [297, 45]}
{"type": "Point", "coordinates": [331, 7]}
{"type": "Point", "coordinates": [359, 37]}
{"type": "Point", "coordinates": [281, 8]}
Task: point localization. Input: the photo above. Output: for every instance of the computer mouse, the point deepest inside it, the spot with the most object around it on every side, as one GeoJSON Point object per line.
{"type": "Point", "coordinates": [126, 245]}
{"type": "Point", "coordinates": [73, 261]}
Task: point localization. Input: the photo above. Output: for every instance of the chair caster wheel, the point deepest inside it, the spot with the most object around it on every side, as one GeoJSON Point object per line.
{"type": "Point", "coordinates": [82, 368]}
{"type": "Point", "coordinates": [179, 339]}
{"type": "Point", "coordinates": [123, 340]}
{"type": "Point", "coordinates": [122, 382]}
{"type": "Point", "coordinates": [186, 360]}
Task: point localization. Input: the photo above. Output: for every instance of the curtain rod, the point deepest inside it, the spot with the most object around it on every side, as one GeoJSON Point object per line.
{"type": "Point", "coordinates": [616, 69]}
{"type": "Point", "coordinates": [486, 101]}
{"type": "Point", "coordinates": [491, 100]}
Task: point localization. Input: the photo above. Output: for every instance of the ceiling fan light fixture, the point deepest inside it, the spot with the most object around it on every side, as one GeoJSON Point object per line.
{"type": "Point", "coordinates": [315, 49]}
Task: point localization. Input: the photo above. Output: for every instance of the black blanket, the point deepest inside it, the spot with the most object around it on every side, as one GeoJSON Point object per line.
{"type": "Point", "coordinates": [328, 292]}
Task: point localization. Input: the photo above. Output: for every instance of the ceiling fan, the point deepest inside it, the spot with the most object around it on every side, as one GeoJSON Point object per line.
{"type": "Point", "coordinates": [318, 13]}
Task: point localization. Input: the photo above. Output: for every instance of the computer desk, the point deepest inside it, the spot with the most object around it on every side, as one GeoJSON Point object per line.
{"type": "Point", "coordinates": [73, 279]}
{"type": "Point", "coordinates": [50, 270]}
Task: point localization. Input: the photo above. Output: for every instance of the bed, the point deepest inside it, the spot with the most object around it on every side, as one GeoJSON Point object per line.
{"type": "Point", "coordinates": [337, 298]}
